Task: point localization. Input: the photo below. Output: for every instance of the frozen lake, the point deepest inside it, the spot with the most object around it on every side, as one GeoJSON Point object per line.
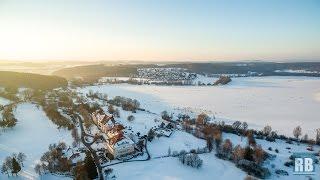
{"type": "Point", "coordinates": [282, 102]}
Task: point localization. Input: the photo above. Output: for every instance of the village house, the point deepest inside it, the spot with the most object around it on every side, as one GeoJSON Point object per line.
{"type": "Point", "coordinates": [104, 121]}
{"type": "Point", "coordinates": [117, 143]}
{"type": "Point", "coordinates": [115, 130]}
{"type": "Point", "coordinates": [165, 129]}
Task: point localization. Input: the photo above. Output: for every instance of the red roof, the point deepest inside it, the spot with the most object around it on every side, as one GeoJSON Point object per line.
{"type": "Point", "coordinates": [118, 127]}
{"type": "Point", "coordinates": [116, 138]}
{"type": "Point", "coordinates": [107, 118]}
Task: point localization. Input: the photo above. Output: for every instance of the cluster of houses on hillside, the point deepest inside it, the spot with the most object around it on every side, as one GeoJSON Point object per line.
{"type": "Point", "coordinates": [167, 75]}
{"type": "Point", "coordinates": [117, 142]}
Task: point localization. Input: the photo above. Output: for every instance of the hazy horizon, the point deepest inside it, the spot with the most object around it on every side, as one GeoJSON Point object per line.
{"type": "Point", "coordinates": [18, 62]}
{"type": "Point", "coordinates": [159, 31]}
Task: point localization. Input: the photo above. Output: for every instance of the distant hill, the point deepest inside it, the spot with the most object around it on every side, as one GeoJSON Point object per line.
{"type": "Point", "coordinates": [94, 72]}
{"type": "Point", "coordinates": [266, 68]}
{"type": "Point", "coordinates": [29, 80]}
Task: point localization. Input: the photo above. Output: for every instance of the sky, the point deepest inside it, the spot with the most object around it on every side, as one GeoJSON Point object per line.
{"type": "Point", "coordinates": [160, 30]}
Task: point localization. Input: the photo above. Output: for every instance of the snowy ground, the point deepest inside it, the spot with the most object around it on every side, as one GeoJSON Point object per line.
{"type": "Point", "coordinates": [281, 157]}
{"type": "Point", "coordinates": [172, 169]}
{"type": "Point", "coordinates": [282, 102]}
{"type": "Point", "coordinates": [204, 79]}
{"type": "Point", "coordinates": [32, 136]}
{"type": "Point", "coordinates": [176, 142]}
{"type": "Point", "coordinates": [4, 101]}
{"type": "Point", "coordinates": [142, 123]}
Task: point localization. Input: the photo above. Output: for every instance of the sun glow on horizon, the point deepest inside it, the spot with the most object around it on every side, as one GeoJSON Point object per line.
{"type": "Point", "coordinates": [144, 30]}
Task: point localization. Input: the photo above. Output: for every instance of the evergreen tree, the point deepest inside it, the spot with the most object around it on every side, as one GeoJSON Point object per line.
{"type": "Point", "coordinates": [248, 153]}
{"type": "Point", "coordinates": [151, 135]}
{"type": "Point", "coordinates": [209, 144]}
{"type": "Point", "coordinates": [15, 166]}
{"type": "Point", "coordinates": [80, 172]}
{"type": "Point", "coordinates": [108, 171]}
{"type": "Point", "coordinates": [90, 166]}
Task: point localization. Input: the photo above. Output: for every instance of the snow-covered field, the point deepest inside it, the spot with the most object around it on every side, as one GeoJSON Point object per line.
{"type": "Point", "coordinates": [296, 71]}
{"type": "Point", "coordinates": [4, 101]}
{"type": "Point", "coordinates": [172, 169]}
{"type": "Point", "coordinates": [282, 102]}
{"type": "Point", "coordinates": [32, 136]}
{"type": "Point", "coordinates": [178, 141]}
{"type": "Point", "coordinates": [143, 121]}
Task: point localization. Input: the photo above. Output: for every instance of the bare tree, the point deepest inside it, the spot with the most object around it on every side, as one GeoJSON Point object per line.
{"type": "Point", "coordinates": [21, 157]}
{"type": "Point", "coordinates": [227, 148]}
{"type": "Point", "coordinates": [244, 126]}
{"type": "Point", "coordinates": [244, 129]}
{"type": "Point", "coordinates": [27, 94]}
{"type": "Point", "coordinates": [297, 131]}
{"type": "Point", "coordinates": [5, 168]}
{"type": "Point", "coordinates": [202, 119]}
{"type": "Point", "coordinates": [318, 136]}
{"type": "Point", "coordinates": [38, 169]}
{"type": "Point", "coordinates": [209, 141]}
{"type": "Point", "coordinates": [251, 140]}
{"type": "Point", "coordinates": [238, 153]}
{"type": "Point", "coordinates": [267, 130]}
{"type": "Point", "coordinates": [258, 155]}
{"type": "Point", "coordinates": [236, 125]}
{"type": "Point", "coordinates": [211, 133]}
{"type": "Point", "coordinates": [217, 136]}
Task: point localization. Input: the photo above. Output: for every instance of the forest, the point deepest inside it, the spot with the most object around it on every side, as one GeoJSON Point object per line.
{"type": "Point", "coordinates": [28, 80]}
